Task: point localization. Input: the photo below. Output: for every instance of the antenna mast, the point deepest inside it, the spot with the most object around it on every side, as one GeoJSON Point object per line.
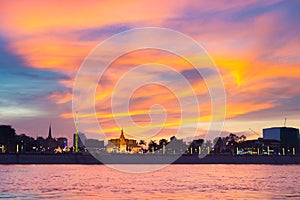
{"type": "Point", "coordinates": [77, 132]}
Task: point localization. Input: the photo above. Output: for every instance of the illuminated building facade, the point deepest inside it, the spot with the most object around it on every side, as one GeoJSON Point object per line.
{"type": "Point", "coordinates": [122, 145]}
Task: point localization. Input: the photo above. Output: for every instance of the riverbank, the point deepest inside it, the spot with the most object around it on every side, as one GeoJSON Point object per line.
{"type": "Point", "coordinates": [144, 159]}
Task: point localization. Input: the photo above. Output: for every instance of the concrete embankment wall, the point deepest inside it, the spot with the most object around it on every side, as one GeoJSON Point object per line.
{"type": "Point", "coordinates": [245, 159]}
{"type": "Point", "coordinates": [143, 159]}
{"type": "Point", "coordinates": [47, 159]}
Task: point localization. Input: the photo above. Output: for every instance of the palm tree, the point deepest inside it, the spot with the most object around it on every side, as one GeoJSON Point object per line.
{"type": "Point", "coordinates": [142, 142]}
{"type": "Point", "coordinates": [163, 142]}
{"type": "Point", "coordinates": [152, 146]}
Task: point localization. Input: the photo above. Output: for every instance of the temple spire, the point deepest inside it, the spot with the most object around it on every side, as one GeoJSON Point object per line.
{"type": "Point", "coordinates": [122, 134]}
{"type": "Point", "coordinates": [49, 133]}
{"type": "Point", "coordinates": [122, 144]}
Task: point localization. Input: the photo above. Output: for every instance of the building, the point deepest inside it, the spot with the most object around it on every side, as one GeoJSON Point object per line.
{"type": "Point", "coordinates": [81, 140]}
{"type": "Point", "coordinates": [51, 143]}
{"type": "Point", "coordinates": [122, 145]}
{"type": "Point", "coordinates": [62, 142]}
{"type": "Point", "coordinates": [26, 144]}
{"type": "Point", "coordinates": [287, 136]}
{"type": "Point", "coordinates": [260, 146]}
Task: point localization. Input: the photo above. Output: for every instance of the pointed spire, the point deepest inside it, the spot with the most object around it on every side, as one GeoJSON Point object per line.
{"type": "Point", "coordinates": [49, 133]}
{"type": "Point", "coordinates": [122, 134]}
{"type": "Point", "coordinates": [122, 138]}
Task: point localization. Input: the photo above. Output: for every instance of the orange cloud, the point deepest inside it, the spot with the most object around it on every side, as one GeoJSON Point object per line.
{"type": "Point", "coordinates": [61, 97]}
{"type": "Point", "coordinates": [253, 53]}
{"type": "Point", "coordinates": [32, 17]}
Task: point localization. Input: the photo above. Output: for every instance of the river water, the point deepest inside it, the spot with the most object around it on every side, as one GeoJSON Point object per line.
{"type": "Point", "coordinates": [171, 182]}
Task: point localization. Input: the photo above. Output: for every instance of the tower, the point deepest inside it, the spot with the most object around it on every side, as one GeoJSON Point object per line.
{"type": "Point", "coordinates": [51, 143]}
{"type": "Point", "coordinates": [123, 145]}
{"type": "Point", "coordinates": [77, 132]}
{"type": "Point", "coordinates": [49, 132]}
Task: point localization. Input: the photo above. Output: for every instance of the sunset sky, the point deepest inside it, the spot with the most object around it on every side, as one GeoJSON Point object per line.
{"type": "Point", "coordinates": [254, 44]}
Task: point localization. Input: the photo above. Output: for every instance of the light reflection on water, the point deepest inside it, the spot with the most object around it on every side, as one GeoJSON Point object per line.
{"type": "Point", "coordinates": [172, 182]}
